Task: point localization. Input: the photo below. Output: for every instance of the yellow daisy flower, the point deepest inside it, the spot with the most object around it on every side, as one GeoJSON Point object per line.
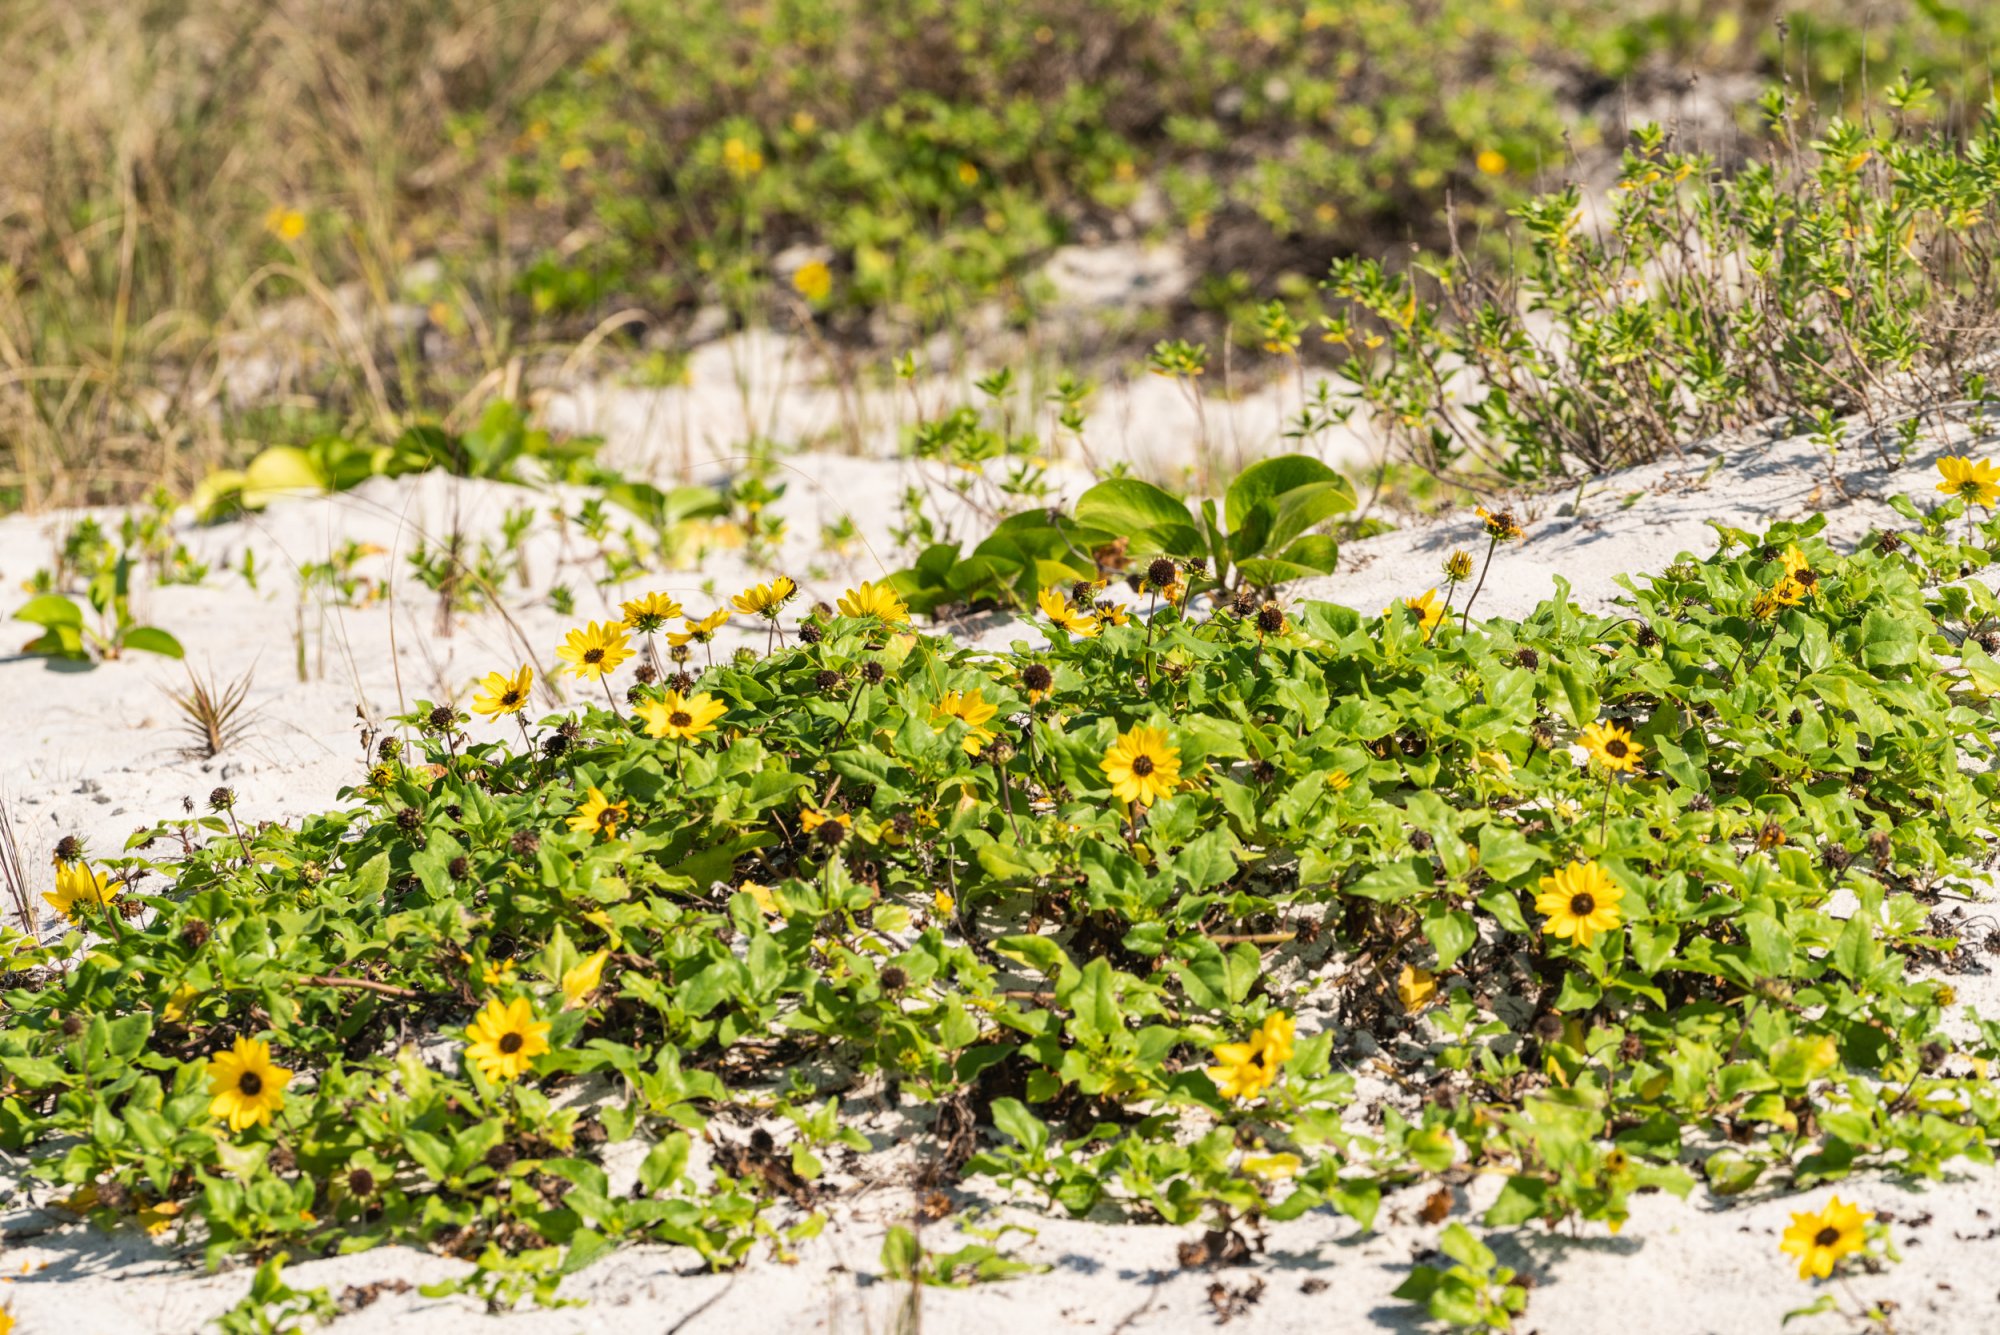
{"type": "Point", "coordinates": [600, 815]}
{"type": "Point", "coordinates": [684, 720]}
{"type": "Point", "coordinates": [1275, 1037]}
{"type": "Point", "coordinates": [1978, 480]}
{"type": "Point", "coordinates": [1237, 1073]}
{"type": "Point", "coordinates": [1415, 988]}
{"type": "Point", "coordinates": [971, 709]}
{"type": "Point", "coordinates": [247, 1087]}
{"type": "Point", "coordinates": [596, 650]}
{"type": "Point", "coordinates": [1611, 746]}
{"type": "Point", "coordinates": [1056, 607]}
{"type": "Point", "coordinates": [873, 600]}
{"type": "Point", "coordinates": [813, 280]}
{"type": "Point", "coordinates": [811, 820]}
{"type": "Point", "coordinates": [1142, 766]}
{"type": "Point", "coordinates": [1580, 901]}
{"type": "Point", "coordinates": [765, 600]}
{"type": "Point", "coordinates": [699, 630]}
{"type": "Point", "coordinates": [1501, 524]}
{"type": "Point", "coordinates": [1821, 1238]}
{"type": "Point", "coordinates": [646, 615]}
{"type": "Point", "coordinates": [502, 694]}
{"type": "Point", "coordinates": [1428, 607]}
{"type": "Point", "coordinates": [79, 887]}
{"type": "Point", "coordinates": [505, 1038]}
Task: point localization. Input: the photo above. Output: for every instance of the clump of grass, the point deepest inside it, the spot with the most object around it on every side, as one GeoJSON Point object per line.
{"type": "Point", "coordinates": [212, 714]}
{"type": "Point", "coordinates": [14, 874]}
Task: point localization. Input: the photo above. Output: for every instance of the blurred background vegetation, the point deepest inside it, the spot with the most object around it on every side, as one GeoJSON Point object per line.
{"type": "Point", "coordinates": [425, 201]}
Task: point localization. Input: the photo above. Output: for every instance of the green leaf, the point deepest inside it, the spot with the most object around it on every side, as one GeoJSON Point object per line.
{"type": "Point", "coordinates": [51, 610]}
{"type": "Point", "coordinates": [1266, 480]}
{"type": "Point", "coordinates": [151, 640]}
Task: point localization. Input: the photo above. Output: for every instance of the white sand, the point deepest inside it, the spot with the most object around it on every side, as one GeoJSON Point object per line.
{"type": "Point", "coordinates": [94, 753]}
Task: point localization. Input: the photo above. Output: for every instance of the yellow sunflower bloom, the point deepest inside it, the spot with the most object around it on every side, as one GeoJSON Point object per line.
{"type": "Point", "coordinates": [247, 1087]}
{"type": "Point", "coordinates": [1977, 480]}
{"type": "Point", "coordinates": [1275, 1038]}
{"type": "Point", "coordinates": [1429, 609]}
{"type": "Point", "coordinates": [505, 1038]}
{"type": "Point", "coordinates": [765, 600]}
{"type": "Point", "coordinates": [79, 887]}
{"type": "Point", "coordinates": [596, 650]}
{"type": "Point", "coordinates": [1819, 1239]}
{"type": "Point", "coordinates": [1580, 901]}
{"type": "Point", "coordinates": [1611, 746]}
{"type": "Point", "coordinates": [813, 281]}
{"type": "Point", "coordinates": [1500, 525]}
{"type": "Point", "coordinates": [873, 600]}
{"type": "Point", "coordinates": [699, 630]}
{"type": "Point", "coordinates": [810, 820]}
{"type": "Point", "coordinates": [502, 694]}
{"type": "Point", "coordinates": [684, 720]}
{"type": "Point", "coordinates": [646, 615]}
{"type": "Point", "coordinates": [1056, 607]}
{"type": "Point", "coordinates": [971, 709]}
{"type": "Point", "coordinates": [1142, 766]}
{"type": "Point", "coordinates": [583, 979]}
{"type": "Point", "coordinates": [1415, 988]}
{"type": "Point", "coordinates": [600, 815]}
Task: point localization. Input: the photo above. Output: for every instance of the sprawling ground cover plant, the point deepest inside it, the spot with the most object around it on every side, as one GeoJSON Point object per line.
{"type": "Point", "coordinates": [1122, 922]}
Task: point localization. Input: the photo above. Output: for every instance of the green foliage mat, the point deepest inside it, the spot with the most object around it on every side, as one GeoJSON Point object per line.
{"type": "Point", "coordinates": [862, 869]}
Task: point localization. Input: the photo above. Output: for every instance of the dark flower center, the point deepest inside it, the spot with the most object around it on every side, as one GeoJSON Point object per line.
{"type": "Point", "coordinates": [1142, 766]}
{"type": "Point", "coordinates": [680, 718]}
{"type": "Point", "coordinates": [593, 655]}
{"type": "Point", "coordinates": [1615, 749]}
{"type": "Point", "coordinates": [1582, 905]}
{"type": "Point", "coordinates": [511, 698]}
{"type": "Point", "coordinates": [510, 1043]}
{"type": "Point", "coordinates": [250, 1084]}
{"type": "Point", "coordinates": [608, 817]}
{"type": "Point", "coordinates": [1826, 1237]}
{"type": "Point", "coordinates": [1807, 577]}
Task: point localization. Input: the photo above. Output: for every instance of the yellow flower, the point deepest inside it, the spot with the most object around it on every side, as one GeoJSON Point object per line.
{"type": "Point", "coordinates": [1580, 901]}
{"type": "Point", "coordinates": [1429, 609]}
{"type": "Point", "coordinates": [1415, 988]}
{"type": "Point", "coordinates": [596, 650]}
{"type": "Point", "coordinates": [505, 1038]}
{"type": "Point", "coordinates": [288, 225]}
{"type": "Point", "coordinates": [177, 1005]}
{"type": "Point", "coordinates": [1056, 607]}
{"type": "Point", "coordinates": [1491, 162]}
{"type": "Point", "coordinates": [943, 902]}
{"type": "Point", "coordinates": [741, 160]}
{"type": "Point", "coordinates": [1978, 480]}
{"type": "Point", "coordinates": [1611, 746]}
{"type": "Point", "coordinates": [813, 281]}
{"type": "Point", "coordinates": [1272, 1165]}
{"type": "Point", "coordinates": [1794, 559]}
{"type": "Point", "coordinates": [811, 820]}
{"type": "Point", "coordinates": [766, 901]}
{"type": "Point", "coordinates": [1237, 1073]}
{"type": "Point", "coordinates": [873, 600]}
{"type": "Point", "coordinates": [502, 694]}
{"type": "Point", "coordinates": [765, 600]}
{"type": "Point", "coordinates": [1820, 1240]}
{"type": "Point", "coordinates": [971, 709]}
{"type": "Point", "coordinates": [599, 814]}
{"type": "Point", "coordinates": [579, 982]}
{"type": "Point", "coordinates": [967, 174]}
{"type": "Point", "coordinates": [684, 720]}
{"type": "Point", "coordinates": [1142, 767]}
{"type": "Point", "coordinates": [247, 1087]}
{"type": "Point", "coordinates": [1274, 1038]}
{"type": "Point", "coordinates": [1458, 566]}
{"type": "Point", "coordinates": [646, 615]}
{"type": "Point", "coordinates": [78, 887]}
{"type": "Point", "coordinates": [1500, 524]}
{"type": "Point", "coordinates": [700, 631]}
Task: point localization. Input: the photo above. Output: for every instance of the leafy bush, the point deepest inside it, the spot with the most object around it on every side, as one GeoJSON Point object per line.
{"type": "Point", "coordinates": [1849, 271]}
{"type": "Point", "coordinates": [1078, 893]}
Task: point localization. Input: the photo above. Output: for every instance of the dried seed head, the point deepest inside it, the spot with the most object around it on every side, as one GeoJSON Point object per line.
{"type": "Point", "coordinates": [1631, 1048]}
{"type": "Point", "coordinates": [826, 681]}
{"type": "Point", "coordinates": [1835, 858]}
{"type": "Point", "coordinates": [221, 799]}
{"type": "Point", "coordinates": [810, 633]}
{"type": "Point", "coordinates": [1548, 1028]}
{"type": "Point", "coordinates": [872, 672]}
{"type": "Point", "coordinates": [1083, 593]}
{"type": "Point", "coordinates": [389, 749]}
{"type": "Point", "coordinates": [525, 843]}
{"type": "Point", "coordinates": [1263, 771]}
{"type": "Point", "coordinates": [113, 1195]}
{"type": "Point", "coordinates": [644, 674]}
{"type": "Point", "coordinates": [1879, 846]}
{"type": "Point", "coordinates": [460, 867]}
{"type": "Point", "coordinates": [1527, 658]}
{"type": "Point", "coordinates": [831, 833]}
{"type": "Point", "coordinates": [682, 682]}
{"type": "Point", "coordinates": [72, 1025]}
{"type": "Point", "coordinates": [1161, 572]}
{"type": "Point", "coordinates": [409, 818]}
{"type": "Point", "coordinates": [1037, 677]}
{"type": "Point", "coordinates": [69, 848]}
{"type": "Point", "coordinates": [1701, 802]}
{"type": "Point", "coordinates": [1648, 637]}
{"type": "Point", "coordinates": [1989, 640]}
{"type": "Point", "coordinates": [194, 933]}
{"type": "Point", "coordinates": [761, 1141]}
{"type": "Point", "coordinates": [1933, 1055]}
{"type": "Point", "coordinates": [361, 1183]}
{"type": "Point", "coordinates": [894, 979]}
{"type": "Point", "coordinates": [1270, 619]}
{"type": "Point", "coordinates": [1245, 603]}
{"type": "Point", "coordinates": [1888, 544]}
{"type": "Point", "coordinates": [680, 653]}
{"type": "Point", "coordinates": [555, 744]}
{"type": "Point", "coordinates": [442, 717]}
{"type": "Point", "coordinates": [1421, 840]}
